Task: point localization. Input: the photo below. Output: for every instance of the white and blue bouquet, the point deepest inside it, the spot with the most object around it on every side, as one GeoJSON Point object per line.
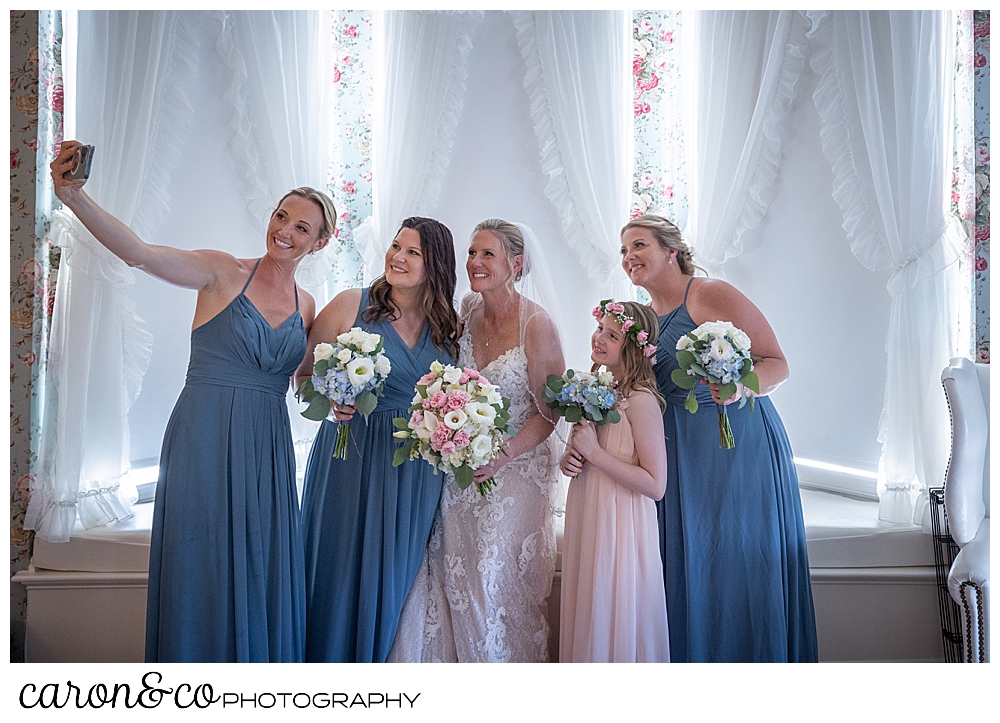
{"type": "Point", "coordinates": [582, 395]}
{"type": "Point", "coordinates": [719, 353]}
{"type": "Point", "coordinates": [351, 372]}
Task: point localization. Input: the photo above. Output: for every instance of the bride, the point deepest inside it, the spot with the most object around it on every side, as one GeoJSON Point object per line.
{"type": "Point", "coordinates": [481, 594]}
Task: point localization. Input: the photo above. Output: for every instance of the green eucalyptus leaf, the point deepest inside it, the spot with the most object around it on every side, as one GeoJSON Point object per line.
{"type": "Point", "coordinates": [682, 379]}
{"type": "Point", "coordinates": [321, 367]}
{"type": "Point", "coordinates": [750, 381]}
{"type": "Point", "coordinates": [400, 456]}
{"type": "Point", "coordinates": [319, 407]}
{"type": "Point", "coordinates": [365, 403]}
{"type": "Point", "coordinates": [463, 476]}
{"type": "Point", "coordinates": [574, 414]}
{"type": "Point", "coordinates": [614, 417]}
{"type": "Point", "coordinates": [685, 358]}
{"type": "Point", "coordinates": [570, 373]}
{"type": "Point", "coordinates": [691, 402]}
{"type": "Point", "coordinates": [401, 423]}
{"type": "Point", "coordinates": [727, 390]}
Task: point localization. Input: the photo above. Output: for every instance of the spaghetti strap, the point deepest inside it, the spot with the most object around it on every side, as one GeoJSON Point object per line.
{"type": "Point", "coordinates": [686, 290]}
{"type": "Point", "coordinates": [251, 279]}
{"type": "Point", "coordinates": [296, 294]}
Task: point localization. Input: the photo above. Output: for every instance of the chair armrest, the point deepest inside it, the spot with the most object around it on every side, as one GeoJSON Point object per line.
{"type": "Point", "coordinates": [969, 585]}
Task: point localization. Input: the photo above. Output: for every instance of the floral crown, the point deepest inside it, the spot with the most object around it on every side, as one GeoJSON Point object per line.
{"type": "Point", "coordinates": [630, 327]}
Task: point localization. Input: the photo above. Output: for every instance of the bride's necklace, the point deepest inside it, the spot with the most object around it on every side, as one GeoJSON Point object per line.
{"type": "Point", "coordinates": [486, 331]}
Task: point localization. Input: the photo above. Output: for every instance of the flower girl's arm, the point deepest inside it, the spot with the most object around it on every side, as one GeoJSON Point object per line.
{"type": "Point", "coordinates": [649, 476]}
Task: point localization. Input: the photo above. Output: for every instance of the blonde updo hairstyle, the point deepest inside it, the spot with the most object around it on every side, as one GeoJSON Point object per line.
{"type": "Point", "coordinates": [322, 200]}
{"type": "Point", "coordinates": [669, 238]}
{"type": "Point", "coordinates": [513, 242]}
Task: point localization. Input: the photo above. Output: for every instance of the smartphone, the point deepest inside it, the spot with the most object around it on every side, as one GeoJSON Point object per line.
{"type": "Point", "coordinates": [82, 161]}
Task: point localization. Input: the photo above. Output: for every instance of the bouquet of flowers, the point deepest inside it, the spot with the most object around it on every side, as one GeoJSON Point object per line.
{"type": "Point", "coordinates": [582, 395]}
{"type": "Point", "coordinates": [720, 353]}
{"type": "Point", "coordinates": [458, 422]}
{"type": "Point", "coordinates": [351, 372]}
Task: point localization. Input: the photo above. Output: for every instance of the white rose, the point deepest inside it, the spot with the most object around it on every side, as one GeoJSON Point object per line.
{"type": "Point", "coordinates": [685, 342]}
{"type": "Point", "coordinates": [346, 337]}
{"type": "Point", "coordinates": [323, 351]}
{"type": "Point", "coordinates": [741, 340]}
{"type": "Point", "coordinates": [481, 446]}
{"type": "Point", "coordinates": [360, 371]}
{"type": "Point", "coordinates": [436, 367]}
{"type": "Point", "coordinates": [639, 49]}
{"type": "Point", "coordinates": [451, 374]}
{"type": "Point", "coordinates": [455, 419]}
{"type": "Point", "coordinates": [382, 365]}
{"type": "Point", "coordinates": [344, 355]}
{"type": "Point", "coordinates": [369, 343]}
{"type": "Point", "coordinates": [646, 46]}
{"type": "Point", "coordinates": [494, 397]}
{"type": "Point", "coordinates": [606, 378]}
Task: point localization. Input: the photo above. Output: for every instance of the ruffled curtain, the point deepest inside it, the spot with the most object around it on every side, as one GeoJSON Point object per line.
{"type": "Point", "coordinates": [579, 82]}
{"type": "Point", "coordinates": [278, 91]}
{"type": "Point", "coordinates": [420, 71]}
{"type": "Point", "coordinates": [747, 63]}
{"type": "Point", "coordinates": [135, 67]}
{"type": "Point", "coordinates": [884, 100]}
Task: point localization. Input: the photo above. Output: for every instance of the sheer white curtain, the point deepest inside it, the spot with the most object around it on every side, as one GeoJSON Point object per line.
{"type": "Point", "coordinates": [278, 90]}
{"type": "Point", "coordinates": [580, 86]}
{"type": "Point", "coordinates": [420, 71]}
{"type": "Point", "coordinates": [133, 69]}
{"type": "Point", "coordinates": [746, 65]}
{"type": "Point", "coordinates": [884, 98]}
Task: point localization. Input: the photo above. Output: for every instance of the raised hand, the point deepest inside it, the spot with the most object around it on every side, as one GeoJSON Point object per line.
{"type": "Point", "coordinates": [66, 191]}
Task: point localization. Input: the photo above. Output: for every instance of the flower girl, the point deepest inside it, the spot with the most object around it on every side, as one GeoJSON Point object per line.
{"type": "Point", "coordinates": [613, 606]}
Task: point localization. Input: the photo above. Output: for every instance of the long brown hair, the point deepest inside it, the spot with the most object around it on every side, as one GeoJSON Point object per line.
{"type": "Point", "coordinates": [638, 372]}
{"type": "Point", "coordinates": [438, 250]}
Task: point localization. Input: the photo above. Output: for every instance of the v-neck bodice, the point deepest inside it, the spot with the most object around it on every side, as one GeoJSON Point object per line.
{"type": "Point", "coordinates": [408, 365]}
{"type": "Point", "coordinates": [239, 348]}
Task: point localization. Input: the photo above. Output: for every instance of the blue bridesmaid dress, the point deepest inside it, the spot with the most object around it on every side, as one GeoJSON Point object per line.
{"type": "Point", "coordinates": [731, 529]}
{"type": "Point", "coordinates": [366, 523]}
{"type": "Point", "coordinates": [226, 570]}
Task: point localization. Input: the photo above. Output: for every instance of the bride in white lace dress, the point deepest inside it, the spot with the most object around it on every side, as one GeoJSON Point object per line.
{"type": "Point", "coordinates": [481, 594]}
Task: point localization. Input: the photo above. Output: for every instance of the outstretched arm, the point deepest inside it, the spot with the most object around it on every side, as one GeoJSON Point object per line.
{"type": "Point", "coordinates": [190, 269]}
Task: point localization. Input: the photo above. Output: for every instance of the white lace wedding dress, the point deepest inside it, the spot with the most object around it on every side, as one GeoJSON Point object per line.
{"type": "Point", "coordinates": [480, 595]}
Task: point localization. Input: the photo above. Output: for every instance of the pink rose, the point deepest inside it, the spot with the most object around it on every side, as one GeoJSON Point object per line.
{"type": "Point", "coordinates": [439, 436]}
{"type": "Point", "coordinates": [982, 155]}
{"type": "Point", "coordinates": [955, 198]}
{"type": "Point", "coordinates": [649, 84]}
{"type": "Point", "coordinates": [439, 399]}
{"type": "Point", "coordinates": [336, 75]}
{"type": "Point", "coordinates": [980, 60]}
{"type": "Point", "coordinates": [416, 418]}
{"type": "Point", "coordinates": [351, 31]}
{"type": "Point", "coordinates": [629, 323]}
{"type": "Point", "coordinates": [984, 356]}
{"type": "Point", "coordinates": [645, 26]}
{"type": "Point", "coordinates": [473, 374]}
{"type": "Point", "coordinates": [635, 212]}
{"type": "Point", "coordinates": [30, 270]}
{"type": "Point", "coordinates": [427, 378]}
{"type": "Point", "coordinates": [669, 36]}
{"type": "Point", "coordinates": [461, 439]}
{"type": "Point", "coordinates": [640, 108]}
{"type": "Point", "coordinates": [636, 64]}
{"type": "Point", "coordinates": [426, 404]}
{"type": "Point", "coordinates": [597, 313]}
{"type": "Point", "coordinates": [981, 264]}
{"type": "Point", "coordinates": [616, 308]}
{"type": "Point", "coordinates": [641, 336]}
{"type": "Point", "coordinates": [56, 99]}
{"type": "Point", "coordinates": [457, 400]}
{"type": "Point", "coordinates": [448, 448]}
{"type": "Point", "coordinates": [348, 187]}
{"type": "Point", "coordinates": [649, 351]}
{"type": "Point", "coordinates": [982, 233]}
{"type": "Point", "coordinates": [367, 177]}
{"type": "Point", "coordinates": [50, 301]}
{"type": "Point", "coordinates": [982, 30]}
{"type": "Point", "coordinates": [14, 162]}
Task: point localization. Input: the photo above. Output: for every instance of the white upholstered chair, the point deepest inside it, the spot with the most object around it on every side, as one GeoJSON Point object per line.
{"type": "Point", "coordinates": [967, 500]}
